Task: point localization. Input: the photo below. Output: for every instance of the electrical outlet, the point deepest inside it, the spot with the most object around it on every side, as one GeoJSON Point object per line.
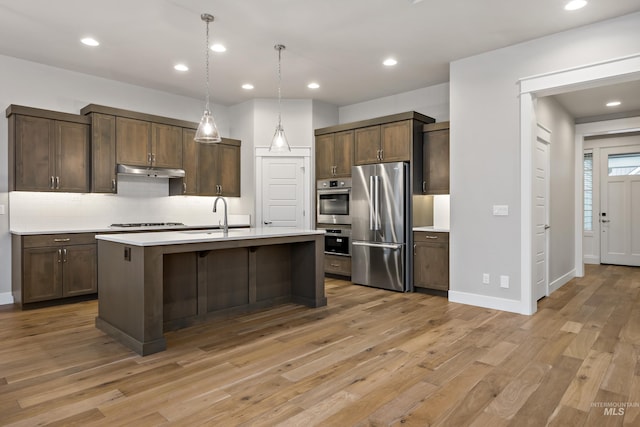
{"type": "Point", "coordinates": [486, 279]}
{"type": "Point", "coordinates": [504, 281]}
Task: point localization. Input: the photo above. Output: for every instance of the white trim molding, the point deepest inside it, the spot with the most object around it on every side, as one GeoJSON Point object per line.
{"type": "Point", "coordinates": [496, 303]}
{"type": "Point", "coordinates": [561, 281]}
{"type": "Point", "coordinates": [6, 298]}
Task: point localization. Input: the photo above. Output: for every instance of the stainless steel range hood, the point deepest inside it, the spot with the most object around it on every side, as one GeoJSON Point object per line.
{"type": "Point", "coordinates": [151, 172]}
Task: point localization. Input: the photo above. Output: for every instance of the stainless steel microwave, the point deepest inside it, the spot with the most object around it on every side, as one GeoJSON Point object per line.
{"type": "Point", "coordinates": [334, 201]}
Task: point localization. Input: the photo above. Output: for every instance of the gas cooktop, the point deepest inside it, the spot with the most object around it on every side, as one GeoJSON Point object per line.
{"type": "Point", "coordinates": [147, 224]}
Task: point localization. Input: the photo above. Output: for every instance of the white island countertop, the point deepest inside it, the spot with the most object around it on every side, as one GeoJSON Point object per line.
{"type": "Point", "coordinates": [198, 236]}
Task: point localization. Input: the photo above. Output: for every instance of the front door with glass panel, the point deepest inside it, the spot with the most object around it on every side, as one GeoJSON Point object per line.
{"type": "Point", "coordinates": [620, 206]}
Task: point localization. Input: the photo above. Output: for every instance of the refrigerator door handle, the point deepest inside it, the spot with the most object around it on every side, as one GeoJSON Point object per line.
{"type": "Point", "coordinates": [372, 208]}
{"type": "Point", "coordinates": [379, 245]}
{"type": "Point", "coordinates": [376, 201]}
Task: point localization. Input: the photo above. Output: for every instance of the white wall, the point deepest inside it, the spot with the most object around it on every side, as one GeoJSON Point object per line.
{"type": "Point", "coordinates": [485, 150]}
{"type": "Point", "coordinates": [562, 215]}
{"type": "Point", "coordinates": [432, 101]}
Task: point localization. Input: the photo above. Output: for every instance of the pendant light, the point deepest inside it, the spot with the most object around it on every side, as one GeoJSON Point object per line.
{"type": "Point", "coordinates": [207, 132]}
{"type": "Point", "coordinates": [279, 142]}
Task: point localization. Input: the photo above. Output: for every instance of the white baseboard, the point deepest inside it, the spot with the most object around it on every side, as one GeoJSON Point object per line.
{"type": "Point", "coordinates": [6, 298]}
{"type": "Point", "coordinates": [561, 281]}
{"type": "Point", "coordinates": [591, 259]}
{"type": "Point", "coordinates": [496, 303]}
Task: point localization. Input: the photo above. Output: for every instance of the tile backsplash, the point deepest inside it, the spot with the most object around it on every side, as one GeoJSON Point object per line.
{"type": "Point", "coordinates": [139, 199]}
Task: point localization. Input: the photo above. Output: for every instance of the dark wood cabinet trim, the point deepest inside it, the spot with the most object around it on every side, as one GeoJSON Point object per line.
{"type": "Point", "coordinates": [410, 115]}
{"type": "Point", "coordinates": [47, 114]}
{"type": "Point", "coordinates": [94, 108]}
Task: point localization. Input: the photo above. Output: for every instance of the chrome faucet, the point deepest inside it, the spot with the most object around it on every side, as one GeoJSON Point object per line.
{"type": "Point", "coordinates": [225, 225]}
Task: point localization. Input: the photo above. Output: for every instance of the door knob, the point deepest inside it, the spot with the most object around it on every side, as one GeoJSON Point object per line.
{"type": "Point", "coordinates": [268, 222]}
{"type": "Point", "coordinates": [605, 220]}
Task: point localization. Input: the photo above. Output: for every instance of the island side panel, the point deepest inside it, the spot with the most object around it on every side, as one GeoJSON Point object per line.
{"type": "Point", "coordinates": [123, 301]}
{"type": "Point", "coordinates": [307, 262]}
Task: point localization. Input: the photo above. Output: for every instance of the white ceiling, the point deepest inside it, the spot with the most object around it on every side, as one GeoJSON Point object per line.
{"type": "Point", "coordinates": [338, 43]}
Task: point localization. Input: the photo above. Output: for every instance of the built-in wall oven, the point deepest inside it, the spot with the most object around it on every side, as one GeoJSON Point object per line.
{"type": "Point", "coordinates": [337, 241]}
{"type": "Point", "coordinates": [334, 200]}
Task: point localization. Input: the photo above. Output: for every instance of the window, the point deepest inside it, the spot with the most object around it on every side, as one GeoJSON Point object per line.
{"type": "Point", "coordinates": [588, 191]}
{"type": "Point", "coordinates": [624, 164]}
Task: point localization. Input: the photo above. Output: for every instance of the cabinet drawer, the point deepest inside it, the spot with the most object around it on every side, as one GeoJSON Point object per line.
{"type": "Point", "coordinates": [337, 265]}
{"type": "Point", "coordinates": [44, 240]}
{"type": "Point", "coordinates": [430, 236]}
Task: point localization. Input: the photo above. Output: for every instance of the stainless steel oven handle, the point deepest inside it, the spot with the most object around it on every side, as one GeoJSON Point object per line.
{"type": "Point", "coordinates": [379, 245]}
{"type": "Point", "coordinates": [334, 191]}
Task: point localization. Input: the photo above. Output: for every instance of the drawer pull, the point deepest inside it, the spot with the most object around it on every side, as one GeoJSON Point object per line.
{"type": "Point", "coordinates": [334, 265]}
{"type": "Point", "coordinates": [431, 237]}
{"type": "Point", "coordinates": [61, 240]}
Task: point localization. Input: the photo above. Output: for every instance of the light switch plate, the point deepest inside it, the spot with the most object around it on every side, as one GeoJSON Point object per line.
{"type": "Point", "coordinates": [500, 210]}
{"type": "Point", "coordinates": [2, 211]}
{"type": "Point", "coordinates": [504, 281]}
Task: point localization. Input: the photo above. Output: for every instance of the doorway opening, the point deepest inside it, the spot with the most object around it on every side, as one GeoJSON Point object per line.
{"type": "Point", "coordinates": [600, 74]}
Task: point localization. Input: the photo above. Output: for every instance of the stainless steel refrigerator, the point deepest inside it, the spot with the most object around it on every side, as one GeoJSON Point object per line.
{"type": "Point", "coordinates": [380, 226]}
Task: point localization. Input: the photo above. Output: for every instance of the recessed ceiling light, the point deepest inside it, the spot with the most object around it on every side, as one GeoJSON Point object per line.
{"type": "Point", "coordinates": [181, 67]}
{"type": "Point", "coordinates": [575, 4]}
{"type": "Point", "coordinates": [390, 62]}
{"type": "Point", "coordinates": [313, 85]}
{"type": "Point", "coordinates": [90, 41]}
{"type": "Point", "coordinates": [613, 103]}
{"type": "Point", "coordinates": [218, 48]}
{"type": "Point", "coordinates": [414, 1]}
{"type": "Point", "coordinates": [247, 86]}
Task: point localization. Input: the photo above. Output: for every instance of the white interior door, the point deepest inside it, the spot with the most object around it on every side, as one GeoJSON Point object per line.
{"type": "Point", "coordinates": [283, 192]}
{"type": "Point", "coordinates": [620, 206]}
{"type": "Point", "coordinates": [541, 214]}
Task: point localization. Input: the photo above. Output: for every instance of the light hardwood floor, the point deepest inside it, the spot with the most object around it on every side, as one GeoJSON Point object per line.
{"type": "Point", "coordinates": [371, 357]}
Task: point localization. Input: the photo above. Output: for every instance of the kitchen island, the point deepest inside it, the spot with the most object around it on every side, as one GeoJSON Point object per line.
{"type": "Point", "coordinates": [152, 282]}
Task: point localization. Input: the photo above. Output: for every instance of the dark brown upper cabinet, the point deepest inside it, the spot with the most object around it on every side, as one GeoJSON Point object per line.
{"type": "Point", "coordinates": [435, 173]}
{"type": "Point", "coordinates": [210, 169]}
{"type": "Point", "coordinates": [334, 154]}
{"type": "Point", "coordinates": [48, 150]}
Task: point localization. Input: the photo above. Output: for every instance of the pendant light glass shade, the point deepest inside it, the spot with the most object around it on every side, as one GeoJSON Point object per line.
{"type": "Point", "coordinates": [207, 132]}
{"type": "Point", "coordinates": [279, 142]}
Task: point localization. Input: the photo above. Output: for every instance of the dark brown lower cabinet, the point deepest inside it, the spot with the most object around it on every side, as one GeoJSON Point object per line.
{"type": "Point", "coordinates": [336, 264]}
{"type": "Point", "coordinates": [214, 283]}
{"type": "Point", "coordinates": [431, 260]}
{"type": "Point", "coordinates": [53, 266]}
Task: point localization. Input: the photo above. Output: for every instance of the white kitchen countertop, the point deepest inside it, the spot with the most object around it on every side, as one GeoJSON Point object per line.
{"type": "Point", "coordinates": [109, 229]}
{"type": "Point", "coordinates": [199, 236]}
{"type": "Point", "coordinates": [431, 228]}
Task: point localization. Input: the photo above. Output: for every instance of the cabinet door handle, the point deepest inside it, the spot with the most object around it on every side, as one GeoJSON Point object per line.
{"type": "Point", "coordinates": [414, 249]}
{"type": "Point", "coordinates": [113, 185]}
{"type": "Point", "coordinates": [64, 255]}
{"type": "Point", "coordinates": [153, 158]}
{"type": "Point", "coordinates": [184, 187]}
{"type": "Point", "coordinates": [381, 154]}
{"type": "Point", "coordinates": [59, 256]}
{"type": "Point", "coordinates": [51, 182]}
{"type": "Point", "coordinates": [57, 182]}
{"type": "Point", "coordinates": [61, 240]}
{"type": "Point", "coordinates": [149, 158]}
{"type": "Point", "coordinates": [424, 186]}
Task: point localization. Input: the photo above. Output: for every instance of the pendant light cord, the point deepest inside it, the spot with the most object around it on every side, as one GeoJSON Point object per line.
{"type": "Point", "coordinates": [279, 47]}
{"type": "Point", "coordinates": [207, 66]}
